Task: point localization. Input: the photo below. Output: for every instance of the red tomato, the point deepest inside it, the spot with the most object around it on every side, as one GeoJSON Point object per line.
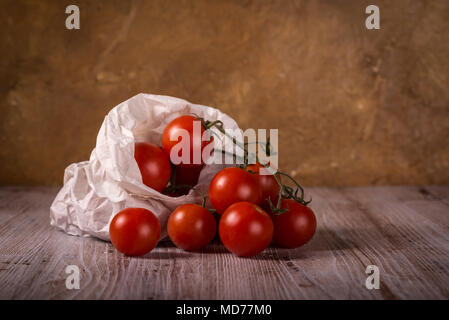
{"type": "Point", "coordinates": [245, 229]}
{"type": "Point", "coordinates": [153, 165]}
{"type": "Point", "coordinates": [268, 185]}
{"type": "Point", "coordinates": [134, 231]}
{"type": "Point", "coordinates": [294, 227]}
{"type": "Point", "coordinates": [232, 185]}
{"type": "Point", "coordinates": [174, 129]}
{"type": "Point", "coordinates": [191, 227]}
{"type": "Point", "coordinates": [187, 176]}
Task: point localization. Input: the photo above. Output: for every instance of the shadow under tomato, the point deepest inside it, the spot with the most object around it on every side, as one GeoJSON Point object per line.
{"type": "Point", "coordinates": [157, 255]}
{"type": "Point", "coordinates": [328, 241]}
{"type": "Point", "coordinates": [168, 250]}
{"type": "Point", "coordinates": [325, 242]}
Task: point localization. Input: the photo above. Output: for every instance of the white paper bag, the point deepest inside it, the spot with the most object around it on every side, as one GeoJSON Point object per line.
{"type": "Point", "coordinates": [95, 190]}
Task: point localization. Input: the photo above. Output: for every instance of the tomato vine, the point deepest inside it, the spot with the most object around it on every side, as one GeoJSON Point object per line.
{"type": "Point", "coordinates": [285, 191]}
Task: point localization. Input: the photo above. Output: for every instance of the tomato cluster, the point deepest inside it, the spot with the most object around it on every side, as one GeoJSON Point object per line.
{"type": "Point", "coordinates": [242, 201]}
{"type": "Point", "coordinates": [247, 224]}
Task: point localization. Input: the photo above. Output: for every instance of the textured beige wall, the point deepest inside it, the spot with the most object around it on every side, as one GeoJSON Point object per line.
{"type": "Point", "coordinates": [354, 107]}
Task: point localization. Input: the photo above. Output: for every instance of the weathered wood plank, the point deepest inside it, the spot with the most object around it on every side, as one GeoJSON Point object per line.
{"type": "Point", "coordinates": [402, 230]}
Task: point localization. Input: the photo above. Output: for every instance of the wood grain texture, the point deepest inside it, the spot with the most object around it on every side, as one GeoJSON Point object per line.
{"type": "Point", "coordinates": [402, 230]}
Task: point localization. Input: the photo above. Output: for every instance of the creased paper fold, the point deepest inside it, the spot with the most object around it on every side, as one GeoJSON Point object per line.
{"type": "Point", "coordinates": [95, 190]}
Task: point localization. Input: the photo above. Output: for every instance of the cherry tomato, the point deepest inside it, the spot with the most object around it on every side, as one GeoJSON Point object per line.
{"type": "Point", "coordinates": [295, 227]}
{"type": "Point", "coordinates": [191, 227]}
{"type": "Point", "coordinates": [268, 185]}
{"type": "Point", "coordinates": [174, 129]}
{"type": "Point", "coordinates": [232, 185]}
{"type": "Point", "coordinates": [186, 175]}
{"type": "Point", "coordinates": [153, 164]}
{"type": "Point", "coordinates": [245, 229]}
{"type": "Point", "coordinates": [183, 176]}
{"type": "Point", "coordinates": [134, 231]}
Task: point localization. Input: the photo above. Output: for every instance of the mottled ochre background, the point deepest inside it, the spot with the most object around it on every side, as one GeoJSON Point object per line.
{"type": "Point", "coordinates": [354, 106]}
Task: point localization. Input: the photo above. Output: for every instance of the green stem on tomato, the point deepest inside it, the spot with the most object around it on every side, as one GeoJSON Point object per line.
{"type": "Point", "coordinates": [285, 191]}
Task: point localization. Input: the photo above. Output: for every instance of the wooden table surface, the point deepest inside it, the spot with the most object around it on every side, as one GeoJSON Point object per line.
{"type": "Point", "coordinates": [402, 230]}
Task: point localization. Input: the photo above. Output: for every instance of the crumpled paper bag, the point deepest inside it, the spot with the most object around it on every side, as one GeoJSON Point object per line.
{"type": "Point", "coordinates": [95, 190]}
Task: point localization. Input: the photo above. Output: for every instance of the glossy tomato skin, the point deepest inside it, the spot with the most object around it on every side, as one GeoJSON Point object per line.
{"type": "Point", "coordinates": [134, 231]}
{"type": "Point", "coordinates": [187, 176]}
{"type": "Point", "coordinates": [245, 229]}
{"type": "Point", "coordinates": [176, 126]}
{"type": "Point", "coordinates": [191, 227]}
{"type": "Point", "coordinates": [294, 227]}
{"type": "Point", "coordinates": [269, 187]}
{"type": "Point", "coordinates": [153, 164]}
{"type": "Point", "coordinates": [232, 185]}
